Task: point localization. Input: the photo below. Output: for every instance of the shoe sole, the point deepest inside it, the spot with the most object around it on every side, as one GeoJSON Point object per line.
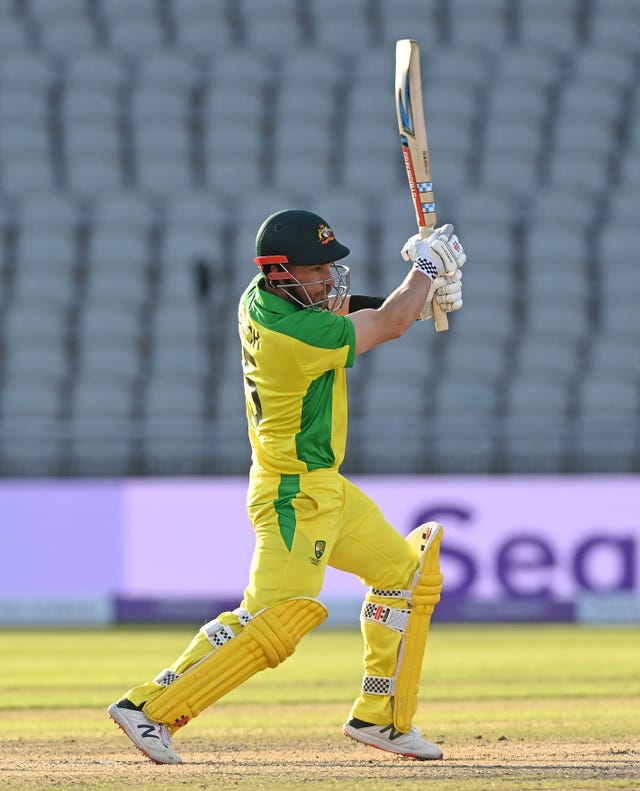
{"type": "Point", "coordinates": [413, 756]}
{"type": "Point", "coordinates": [135, 744]}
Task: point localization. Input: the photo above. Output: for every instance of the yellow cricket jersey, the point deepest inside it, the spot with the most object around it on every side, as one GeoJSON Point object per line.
{"type": "Point", "coordinates": [294, 362]}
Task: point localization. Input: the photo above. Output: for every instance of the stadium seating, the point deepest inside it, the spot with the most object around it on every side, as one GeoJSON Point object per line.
{"type": "Point", "coordinates": [140, 139]}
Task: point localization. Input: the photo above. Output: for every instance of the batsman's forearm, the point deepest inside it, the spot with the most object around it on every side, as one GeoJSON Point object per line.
{"type": "Point", "coordinates": [403, 306]}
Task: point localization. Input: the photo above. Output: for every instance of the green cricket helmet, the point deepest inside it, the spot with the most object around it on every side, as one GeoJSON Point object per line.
{"type": "Point", "coordinates": [301, 238]}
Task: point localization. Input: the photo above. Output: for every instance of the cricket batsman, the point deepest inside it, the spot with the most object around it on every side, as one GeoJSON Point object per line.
{"type": "Point", "coordinates": [300, 329]}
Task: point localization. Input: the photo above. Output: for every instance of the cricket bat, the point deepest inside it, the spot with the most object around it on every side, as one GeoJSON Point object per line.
{"type": "Point", "coordinates": [415, 150]}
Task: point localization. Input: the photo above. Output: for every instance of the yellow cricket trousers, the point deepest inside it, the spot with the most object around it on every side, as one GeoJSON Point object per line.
{"type": "Point", "coordinates": [304, 523]}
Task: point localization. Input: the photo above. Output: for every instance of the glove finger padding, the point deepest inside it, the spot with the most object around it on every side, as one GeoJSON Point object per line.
{"type": "Point", "coordinates": [449, 295]}
{"type": "Point", "coordinates": [450, 256]}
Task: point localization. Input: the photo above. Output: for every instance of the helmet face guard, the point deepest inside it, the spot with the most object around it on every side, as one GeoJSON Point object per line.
{"type": "Point", "coordinates": [336, 288]}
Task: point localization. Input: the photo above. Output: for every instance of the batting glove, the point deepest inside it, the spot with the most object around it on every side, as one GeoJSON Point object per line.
{"type": "Point", "coordinates": [448, 296]}
{"type": "Point", "coordinates": [439, 255]}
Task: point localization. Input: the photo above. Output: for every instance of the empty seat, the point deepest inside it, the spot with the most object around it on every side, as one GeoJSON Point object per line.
{"type": "Point", "coordinates": [126, 210]}
{"type": "Point", "coordinates": [32, 447]}
{"type": "Point", "coordinates": [511, 173]}
{"type": "Point", "coordinates": [13, 36]}
{"type": "Point", "coordinates": [467, 395]}
{"type": "Point", "coordinates": [124, 249]}
{"type": "Point", "coordinates": [157, 104]}
{"type": "Point", "coordinates": [129, 288]}
{"type": "Point", "coordinates": [177, 317]}
{"type": "Point", "coordinates": [462, 444]}
{"type": "Point", "coordinates": [50, 284]}
{"type": "Point", "coordinates": [160, 175]}
{"type": "Point", "coordinates": [620, 316]}
{"type": "Point", "coordinates": [480, 360]}
{"type": "Point", "coordinates": [62, 34]}
{"type": "Point", "coordinates": [611, 356]}
{"type": "Point", "coordinates": [296, 170]}
{"type": "Point", "coordinates": [600, 447]}
{"type": "Point", "coordinates": [479, 26]}
{"type": "Point", "coordinates": [174, 399]}
{"type": "Point", "coordinates": [24, 398]}
{"type": "Point", "coordinates": [602, 67]}
{"type": "Point", "coordinates": [34, 322]}
{"type": "Point", "coordinates": [545, 355]}
{"type": "Point", "coordinates": [20, 141]}
{"type": "Point", "coordinates": [271, 29]}
{"type": "Point", "coordinates": [89, 177]}
{"type": "Point", "coordinates": [455, 67]}
{"type": "Point", "coordinates": [529, 394]}
{"type": "Point", "coordinates": [97, 70]}
{"type": "Point", "coordinates": [235, 174]}
{"type": "Point", "coordinates": [99, 139]}
{"type": "Point", "coordinates": [409, 19]}
{"type": "Point", "coordinates": [43, 10]}
{"type": "Point", "coordinates": [602, 397]}
{"type": "Point", "coordinates": [341, 27]}
{"type": "Point", "coordinates": [518, 137]}
{"type": "Point", "coordinates": [535, 443]}
{"type": "Point", "coordinates": [47, 248]}
{"type": "Point", "coordinates": [111, 322]}
{"type": "Point", "coordinates": [174, 358]}
{"type": "Point", "coordinates": [100, 448]}
{"type": "Point", "coordinates": [545, 24]}
{"type": "Point", "coordinates": [134, 37]}
{"type": "Point", "coordinates": [24, 176]}
{"type": "Point", "coordinates": [143, 9]}
{"type": "Point", "coordinates": [101, 399]}
{"type": "Point", "coordinates": [242, 68]}
{"type": "Point", "coordinates": [168, 69]}
{"type": "Point", "coordinates": [32, 359]}
{"type": "Point", "coordinates": [527, 104]}
{"type": "Point", "coordinates": [474, 321]}
{"type": "Point", "coordinates": [100, 359]}
{"type": "Point", "coordinates": [197, 209]}
{"type": "Point", "coordinates": [561, 205]}
{"type": "Point", "coordinates": [614, 28]}
{"type": "Point", "coordinates": [528, 68]}
{"type": "Point", "coordinates": [543, 243]}
{"type": "Point", "coordinates": [204, 34]}
{"type": "Point", "coordinates": [28, 71]}
{"type": "Point", "coordinates": [623, 204]}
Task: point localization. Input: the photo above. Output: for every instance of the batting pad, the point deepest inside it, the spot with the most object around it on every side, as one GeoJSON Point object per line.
{"type": "Point", "coordinates": [423, 595]}
{"type": "Point", "coordinates": [268, 638]}
{"type": "Point", "coordinates": [426, 594]}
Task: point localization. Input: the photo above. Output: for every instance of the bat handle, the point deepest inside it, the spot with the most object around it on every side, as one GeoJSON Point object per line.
{"type": "Point", "coordinates": [439, 316]}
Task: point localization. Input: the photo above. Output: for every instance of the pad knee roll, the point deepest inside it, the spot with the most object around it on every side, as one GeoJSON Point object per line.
{"type": "Point", "coordinates": [266, 640]}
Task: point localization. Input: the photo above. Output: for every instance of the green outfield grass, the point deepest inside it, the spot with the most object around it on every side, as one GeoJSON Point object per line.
{"type": "Point", "coordinates": [514, 707]}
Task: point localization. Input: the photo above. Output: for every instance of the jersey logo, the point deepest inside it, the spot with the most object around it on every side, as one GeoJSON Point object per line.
{"type": "Point", "coordinates": [319, 552]}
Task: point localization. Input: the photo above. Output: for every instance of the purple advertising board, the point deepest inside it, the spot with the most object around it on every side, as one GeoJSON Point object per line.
{"type": "Point", "coordinates": [514, 548]}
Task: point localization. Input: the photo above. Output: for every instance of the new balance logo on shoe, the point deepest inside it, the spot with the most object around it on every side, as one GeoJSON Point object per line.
{"type": "Point", "coordinates": [148, 731]}
{"type": "Point", "coordinates": [393, 733]}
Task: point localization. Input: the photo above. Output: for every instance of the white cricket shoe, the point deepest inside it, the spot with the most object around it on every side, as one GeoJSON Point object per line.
{"type": "Point", "coordinates": [386, 737]}
{"type": "Point", "coordinates": [151, 738]}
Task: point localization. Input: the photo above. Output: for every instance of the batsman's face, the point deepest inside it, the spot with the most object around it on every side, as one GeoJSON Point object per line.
{"type": "Point", "coordinates": [315, 281]}
{"type": "Point", "coordinates": [322, 286]}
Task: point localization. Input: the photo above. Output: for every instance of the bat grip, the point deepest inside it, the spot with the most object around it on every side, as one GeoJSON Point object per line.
{"type": "Point", "coordinates": [440, 319]}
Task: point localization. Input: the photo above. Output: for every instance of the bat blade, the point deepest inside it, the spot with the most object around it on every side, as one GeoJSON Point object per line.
{"type": "Point", "coordinates": [415, 148]}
